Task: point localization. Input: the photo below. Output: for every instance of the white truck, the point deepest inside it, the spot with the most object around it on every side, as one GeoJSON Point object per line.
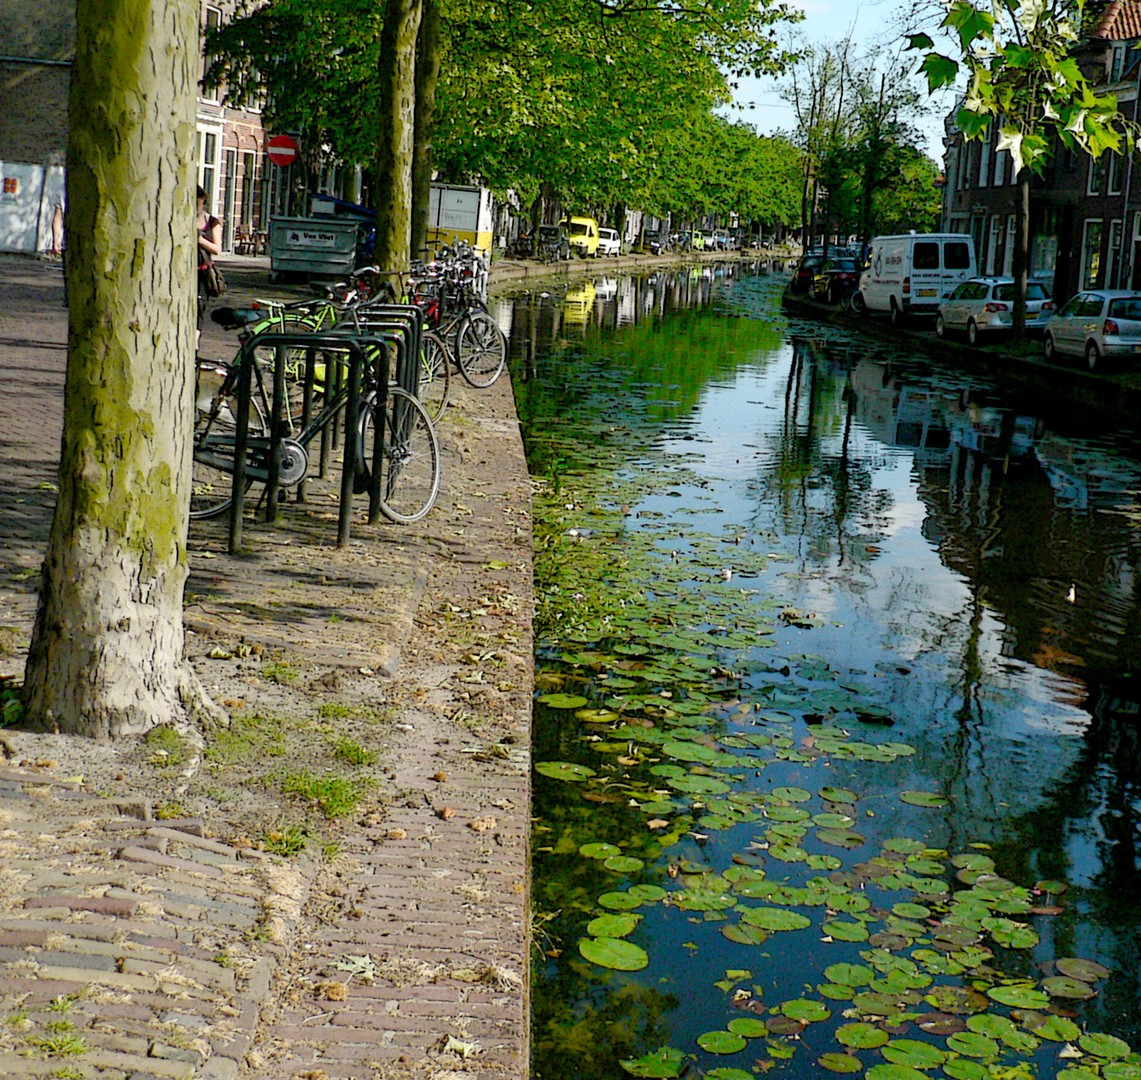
{"type": "Point", "coordinates": [909, 274]}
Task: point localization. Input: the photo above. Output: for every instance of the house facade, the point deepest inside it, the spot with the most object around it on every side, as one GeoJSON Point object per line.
{"type": "Point", "coordinates": [35, 71]}
{"type": "Point", "coordinates": [1085, 214]}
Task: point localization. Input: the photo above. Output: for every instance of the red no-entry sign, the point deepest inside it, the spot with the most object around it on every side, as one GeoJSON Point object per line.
{"type": "Point", "coordinates": [281, 150]}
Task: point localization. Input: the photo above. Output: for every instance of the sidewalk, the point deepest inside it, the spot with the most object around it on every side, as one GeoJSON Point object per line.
{"type": "Point", "coordinates": [145, 929]}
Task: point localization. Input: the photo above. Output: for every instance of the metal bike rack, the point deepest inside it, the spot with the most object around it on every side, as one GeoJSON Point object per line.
{"type": "Point", "coordinates": [336, 347]}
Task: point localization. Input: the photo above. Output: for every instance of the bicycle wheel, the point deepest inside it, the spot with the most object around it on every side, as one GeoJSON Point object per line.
{"type": "Point", "coordinates": [410, 465]}
{"type": "Point", "coordinates": [215, 428]}
{"type": "Point", "coordinates": [481, 349]}
{"type": "Point", "coordinates": [435, 376]}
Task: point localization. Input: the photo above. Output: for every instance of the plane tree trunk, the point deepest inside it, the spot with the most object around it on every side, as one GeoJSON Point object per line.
{"type": "Point", "coordinates": [397, 72]}
{"type": "Point", "coordinates": [427, 78]}
{"type": "Point", "coordinates": [106, 658]}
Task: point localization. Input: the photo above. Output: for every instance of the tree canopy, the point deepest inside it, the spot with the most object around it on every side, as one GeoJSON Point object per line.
{"type": "Point", "coordinates": [596, 103]}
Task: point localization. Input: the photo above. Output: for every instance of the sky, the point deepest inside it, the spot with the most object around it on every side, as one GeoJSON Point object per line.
{"type": "Point", "coordinates": [873, 24]}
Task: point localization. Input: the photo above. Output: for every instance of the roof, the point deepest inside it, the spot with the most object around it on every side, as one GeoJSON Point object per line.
{"type": "Point", "coordinates": [1121, 21]}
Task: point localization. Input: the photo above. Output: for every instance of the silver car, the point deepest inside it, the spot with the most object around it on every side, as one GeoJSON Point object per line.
{"type": "Point", "coordinates": [1098, 324]}
{"type": "Point", "coordinates": [986, 304]}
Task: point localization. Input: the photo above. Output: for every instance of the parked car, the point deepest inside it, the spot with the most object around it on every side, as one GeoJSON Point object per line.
{"type": "Point", "coordinates": [986, 305]}
{"type": "Point", "coordinates": [836, 276]}
{"type": "Point", "coordinates": [655, 242]}
{"type": "Point", "coordinates": [553, 242]}
{"type": "Point", "coordinates": [720, 240]}
{"type": "Point", "coordinates": [1099, 325]}
{"type": "Point", "coordinates": [609, 242]}
{"type": "Point", "coordinates": [805, 272]}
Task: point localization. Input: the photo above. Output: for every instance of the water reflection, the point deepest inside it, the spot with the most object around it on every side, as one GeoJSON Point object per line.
{"type": "Point", "coordinates": [976, 567]}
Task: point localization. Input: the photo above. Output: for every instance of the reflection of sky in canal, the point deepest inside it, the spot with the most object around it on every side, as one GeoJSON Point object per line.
{"type": "Point", "coordinates": [971, 569]}
{"type": "Point", "coordinates": [895, 604]}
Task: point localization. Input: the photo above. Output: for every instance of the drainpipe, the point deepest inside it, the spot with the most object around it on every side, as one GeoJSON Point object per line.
{"type": "Point", "coordinates": [1126, 231]}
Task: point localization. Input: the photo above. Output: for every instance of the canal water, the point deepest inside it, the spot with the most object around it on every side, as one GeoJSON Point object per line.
{"type": "Point", "coordinates": [836, 732]}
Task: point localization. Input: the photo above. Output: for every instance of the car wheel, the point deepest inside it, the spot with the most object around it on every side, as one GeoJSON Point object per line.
{"type": "Point", "coordinates": [940, 327]}
{"type": "Point", "coordinates": [972, 332]}
{"type": "Point", "coordinates": [1093, 356]}
{"type": "Point", "coordinates": [1048, 348]}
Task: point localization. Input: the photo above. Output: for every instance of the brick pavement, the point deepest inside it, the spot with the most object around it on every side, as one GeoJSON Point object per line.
{"type": "Point", "coordinates": [133, 947]}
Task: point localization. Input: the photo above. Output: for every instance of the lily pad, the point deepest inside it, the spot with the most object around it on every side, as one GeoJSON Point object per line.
{"type": "Point", "coordinates": [647, 894]}
{"type": "Point", "coordinates": [919, 1055]}
{"type": "Point", "coordinates": [849, 974]}
{"type": "Point", "coordinates": [614, 953]}
{"type": "Point", "coordinates": [844, 930]}
{"type": "Point", "coordinates": [1108, 1047]}
{"type": "Point", "coordinates": [894, 1072]}
{"type": "Point", "coordinates": [612, 926]}
{"type": "Point", "coordinates": [599, 850]}
{"type": "Point", "coordinates": [749, 1026]}
{"type": "Point", "coordinates": [1055, 1028]}
{"type": "Point", "coordinates": [775, 918]}
{"type": "Point", "coordinates": [663, 1064]}
{"type": "Point", "coordinates": [861, 1036]}
{"type": "Point", "coordinates": [928, 799]}
{"type": "Point", "coordinates": [562, 701]}
{"type": "Point", "coordinates": [620, 901]}
{"type": "Point", "coordinates": [623, 864]}
{"type": "Point", "coordinates": [728, 1074]}
{"type": "Point", "coordinates": [791, 794]}
{"type": "Point", "coordinates": [743, 934]}
{"type": "Point", "coordinates": [806, 1010]}
{"type": "Point", "coordinates": [838, 795]}
{"type": "Point", "coordinates": [565, 770]}
{"type": "Point", "coordinates": [721, 1042]}
{"type": "Point", "coordinates": [840, 1063]}
{"type": "Point", "coordinates": [1086, 970]}
{"type": "Point", "coordinates": [1019, 996]}
{"type": "Point", "coordinates": [972, 1044]}
{"type": "Point", "coordinates": [1062, 986]}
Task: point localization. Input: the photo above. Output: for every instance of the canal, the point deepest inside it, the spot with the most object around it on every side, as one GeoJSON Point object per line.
{"type": "Point", "coordinates": [836, 731]}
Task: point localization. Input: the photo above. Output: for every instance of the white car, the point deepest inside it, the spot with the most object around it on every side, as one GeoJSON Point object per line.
{"type": "Point", "coordinates": [609, 243]}
{"type": "Point", "coordinates": [1098, 324]}
{"type": "Point", "coordinates": [986, 304]}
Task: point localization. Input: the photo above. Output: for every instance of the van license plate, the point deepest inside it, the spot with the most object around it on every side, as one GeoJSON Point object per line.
{"type": "Point", "coordinates": [927, 292]}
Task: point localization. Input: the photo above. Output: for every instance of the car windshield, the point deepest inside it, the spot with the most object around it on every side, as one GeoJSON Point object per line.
{"type": "Point", "coordinates": [578, 228]}
{"type": "Point", "coordinates": [549, 232]}
{"type": "Point", "coordinates": [847, 266]}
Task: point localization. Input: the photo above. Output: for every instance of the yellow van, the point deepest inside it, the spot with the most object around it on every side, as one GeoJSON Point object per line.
{"type": "Point", "coordinates": [583, 232]}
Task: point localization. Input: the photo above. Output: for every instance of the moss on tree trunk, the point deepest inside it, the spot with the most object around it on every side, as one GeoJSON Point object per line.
{"type": "Point", "coordinates": [107, 651]}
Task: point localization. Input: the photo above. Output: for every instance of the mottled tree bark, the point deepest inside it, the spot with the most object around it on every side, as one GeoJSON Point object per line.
{"type": "Point", "coordinates": [427, 78]}
{"type": "Point", "coordinates": [397, 75]}
{"type": "Point", "coordinates": [106, 657]}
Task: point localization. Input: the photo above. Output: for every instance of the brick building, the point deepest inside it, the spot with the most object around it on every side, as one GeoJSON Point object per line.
{"type": "Point", "coordinates": [38, 45]}
{"type": "Point", "coordinates": [1085, 215]}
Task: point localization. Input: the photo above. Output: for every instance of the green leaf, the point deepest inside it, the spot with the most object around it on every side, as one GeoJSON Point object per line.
{"type": "Point", "coordinates": [614, 953]}
{"type": "Point", "coordinates": [1104, 1046]}
{"type": "Point", "coordinates": [663, 1064]}
{"type": "Point", "coordinates": [840, 1063]}
{"type": "Point", "coordinates": [721, 1042]}
{"type": "Point", "coordinates": [613, 926]}
{"type": "Point", "coordinates": [599, 850]}
{"type": "Point", "coordinates": [919, 41]}
{"type": "Point", "coordinates": [562, 701]}
{"type": "Point", "coordinates": [1019, 997]}
{"type": "Point", "coordinates": [970, 22]}
{"type": "Point", "coordinates": [806, 1010]}
{"type": "Point", "coordinates": [923, 798]}
{"type": "Point", "coordinates": [972, 1044]}
{"type": "Point", "coordinates": [940, 71]}
{"type": "Point", "coordinates": [861, 1036]}
{"type": "Point", "coordinates": [749, 1026]}
{"type": "Point", "coordinates": [775, 919]}
{"type": "Point", "coordinates": [564, 770]}
{"type": "Point", "coordinates": [919, 1055]}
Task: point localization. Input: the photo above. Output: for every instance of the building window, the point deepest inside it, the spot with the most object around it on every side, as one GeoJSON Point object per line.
{"type": "Point", "coordinates": [1113, 255]}
{"type": "Point", "coordinates": [994, 247]}
{"type": "Point", "coordinates": [1091, 253]}
{"type": "Point", "coordinates": [208, 144]}
{"type": "Point", "coordinates": [1093, 184]}
{"type": "Point", "coordinates": [984, 161]}
{"type": "Point", "coordinates": [212, 21]}
{"type": "Point", "coordinates": [1011, 237]}
{"type": "Point", "coordinates": [1116, 166]}
{"type": "Point", "coordinates": [1117, 62]}
{"type": "Point", "coordinates": [1000, 168]}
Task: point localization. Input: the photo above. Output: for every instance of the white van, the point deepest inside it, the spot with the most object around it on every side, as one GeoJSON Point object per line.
{"type": "Point", "coordinates": [910, 274]}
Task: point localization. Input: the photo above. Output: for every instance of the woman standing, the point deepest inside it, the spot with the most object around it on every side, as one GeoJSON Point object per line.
{"type": "Point", "coordinates": [209, 245]}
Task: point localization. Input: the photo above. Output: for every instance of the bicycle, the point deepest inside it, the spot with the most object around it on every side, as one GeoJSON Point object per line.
{"type": "Point", "coordinates": [410, 452]}
{"type": "Point", "coordinates": [458, 322]}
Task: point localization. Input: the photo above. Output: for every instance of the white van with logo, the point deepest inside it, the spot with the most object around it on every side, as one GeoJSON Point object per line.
{"type": "Point", "coordinates": [911, 273]}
